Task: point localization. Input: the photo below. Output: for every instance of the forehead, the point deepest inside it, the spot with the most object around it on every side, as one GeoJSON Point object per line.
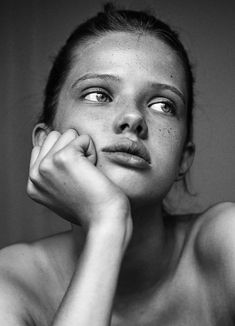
{"type": "Point", "coordinates": [130, 56]}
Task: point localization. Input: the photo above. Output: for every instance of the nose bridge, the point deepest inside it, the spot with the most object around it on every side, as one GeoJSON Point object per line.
{"type": "Point", "coordinates": [130, 119]}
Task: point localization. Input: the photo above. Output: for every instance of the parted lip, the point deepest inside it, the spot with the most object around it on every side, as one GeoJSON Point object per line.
{"type": "Point", "coordinates": [129, 146]}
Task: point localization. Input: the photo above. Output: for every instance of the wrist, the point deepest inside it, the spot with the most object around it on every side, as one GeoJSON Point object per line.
{"type": "Point", "coordinates": [112, 232]}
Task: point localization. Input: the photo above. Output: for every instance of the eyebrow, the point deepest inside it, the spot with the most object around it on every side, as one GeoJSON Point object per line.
{"type": "Point", "coordinates": [108, 77]}
{"type": "Point", "coordinates": [171, 88]}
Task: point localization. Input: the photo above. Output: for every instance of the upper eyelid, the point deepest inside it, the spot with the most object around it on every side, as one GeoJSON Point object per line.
{"type": "Point", "coordinates": [159, 99]}
{"type": "Point", "coordinates": [89, 90]}
{"type": "Point", "coordinates": [94, 88]}
{"type": "Point", "coordinates": [90, 83]}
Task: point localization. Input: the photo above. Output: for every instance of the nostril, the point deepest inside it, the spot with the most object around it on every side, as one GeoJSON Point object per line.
{"type": "Point", "coordinates": [139, 129]}
{"type": "Point", "coordinates": [131, 122]}
{"type": "Point", "coordinates": [124, 126]}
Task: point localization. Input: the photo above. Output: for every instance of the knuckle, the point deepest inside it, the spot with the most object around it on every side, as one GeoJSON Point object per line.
{"type": "Point", "coordinates": [60, 158]}
{"type": "Point", "coordinates": [65, 156]}
{"type": "Point", "coordinates": [71, 152]}
{"type": "Point", "coordinates": [45, 166]}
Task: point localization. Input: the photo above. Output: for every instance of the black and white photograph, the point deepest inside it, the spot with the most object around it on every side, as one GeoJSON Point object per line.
{"type": "Point", "coordinates": [117, 169]}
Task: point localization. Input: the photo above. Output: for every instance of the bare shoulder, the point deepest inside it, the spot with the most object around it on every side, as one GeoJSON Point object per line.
{"type": "Point", "coordinates": [215, 246]}
{"type": "Point", "coordinates": [215, 232]}
{"type": "Point", "coordinates": [16, 273]}
{"type": "Point", "coordinates": [30, 280]}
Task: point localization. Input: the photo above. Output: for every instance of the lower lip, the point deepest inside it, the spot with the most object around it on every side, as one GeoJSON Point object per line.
{"type": "Point", "coordinates": [128, 160]}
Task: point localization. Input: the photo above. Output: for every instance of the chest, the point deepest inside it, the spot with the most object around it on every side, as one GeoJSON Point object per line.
{"type": "Point", "coordinates": [186, 300]}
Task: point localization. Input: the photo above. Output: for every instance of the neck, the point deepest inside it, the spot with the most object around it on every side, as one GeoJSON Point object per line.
{"type": "Point", "coordinates": [147, 258]}
{"type": "Point", "coordinates": [148, 255]}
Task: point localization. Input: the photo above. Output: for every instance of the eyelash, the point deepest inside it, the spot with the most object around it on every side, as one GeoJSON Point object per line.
{"type": "Point", "coordinates": [98, 92]}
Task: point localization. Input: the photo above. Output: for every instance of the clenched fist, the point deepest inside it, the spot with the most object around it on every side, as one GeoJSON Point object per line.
{"type": "Point", "coordinates": [63, 176]}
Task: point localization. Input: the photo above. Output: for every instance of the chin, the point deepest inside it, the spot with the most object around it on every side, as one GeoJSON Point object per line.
{"type": "Point", "coordinates": [138, 186]}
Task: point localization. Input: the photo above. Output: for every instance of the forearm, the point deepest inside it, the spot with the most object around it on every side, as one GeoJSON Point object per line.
{"type": "Point", "coordinates": [89, 298]}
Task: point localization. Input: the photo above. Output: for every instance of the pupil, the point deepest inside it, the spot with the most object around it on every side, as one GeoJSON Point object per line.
{"type": "Point", "coordinates": [165, 108]}
{"type": "Point", "coordinates": [101, 97]}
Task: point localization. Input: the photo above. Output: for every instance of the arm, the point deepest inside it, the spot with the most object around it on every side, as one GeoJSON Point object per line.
{"type": "Point", "coordinates": [63, 178]}
{"type": "Point", "coordinates": [89, 298]}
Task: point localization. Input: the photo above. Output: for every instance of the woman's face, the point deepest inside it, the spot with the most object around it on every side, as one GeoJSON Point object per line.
{"type": "Point", "coordinates": [128, 92]}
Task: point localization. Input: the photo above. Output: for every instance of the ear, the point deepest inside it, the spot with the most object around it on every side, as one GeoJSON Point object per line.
{"type": "Point", "coordinates": [186, 160]}
{"type": "Point", "coordinates": [40, 132]}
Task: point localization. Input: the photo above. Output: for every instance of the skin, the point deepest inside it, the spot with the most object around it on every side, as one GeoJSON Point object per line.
{"type": "Point", "coordinates": [131, 95]}
{"type": "Point", "coordinates": [120, 264]}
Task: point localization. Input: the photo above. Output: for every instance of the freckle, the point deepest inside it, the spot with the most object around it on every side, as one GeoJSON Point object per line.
{"type": "Point", "coordinates": [168, 132]}
{"type": "Point", "coordinates": [171, 76]}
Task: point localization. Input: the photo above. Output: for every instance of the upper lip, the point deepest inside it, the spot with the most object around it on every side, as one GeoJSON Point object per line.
{"type": "Point", "coordinates": [129, 146]}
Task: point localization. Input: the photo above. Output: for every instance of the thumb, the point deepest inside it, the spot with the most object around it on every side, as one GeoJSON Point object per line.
{"type": "Point", "coordinates": [91, 152]}
{"type": "Point", "coordinates": [86, 148]}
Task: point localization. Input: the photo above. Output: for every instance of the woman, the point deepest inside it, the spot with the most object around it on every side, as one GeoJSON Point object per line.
{"type": "Point", "coordinates": [114, 136]}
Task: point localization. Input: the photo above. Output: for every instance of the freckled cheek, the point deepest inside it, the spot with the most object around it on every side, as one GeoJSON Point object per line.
{"type": "Point", "coordinates": [167, 135]}
{"type": "Point", "coordinates": [167, 142]}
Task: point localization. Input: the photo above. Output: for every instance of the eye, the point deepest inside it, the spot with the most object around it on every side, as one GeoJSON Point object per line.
{"type": "Point", "coordinates": [164, 107]}
{"type": "Point", "coordinates": [98, 97]}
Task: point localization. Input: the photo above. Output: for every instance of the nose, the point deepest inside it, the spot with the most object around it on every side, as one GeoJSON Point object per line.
{"type": "Point", "coordinates": [132, 122]}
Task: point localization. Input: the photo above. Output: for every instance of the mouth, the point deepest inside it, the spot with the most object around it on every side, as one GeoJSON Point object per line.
{"type": "Point", "coordinates": [129, 153]}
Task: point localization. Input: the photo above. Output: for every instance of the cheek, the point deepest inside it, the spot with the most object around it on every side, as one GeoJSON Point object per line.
{"type": "Point", "coordinates": [169, 134]}
{"type": "Point", "coordinates": [83, 120]}
{"type": "Point", "coordinates": [97, 126]}
{"type": "Point", "coordinates": [167, 146]}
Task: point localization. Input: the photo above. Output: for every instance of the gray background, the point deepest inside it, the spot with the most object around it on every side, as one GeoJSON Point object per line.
{"type": "Point", "coordinates": [32, 31]}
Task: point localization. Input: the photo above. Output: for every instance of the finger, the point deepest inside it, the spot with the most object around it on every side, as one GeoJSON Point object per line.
{"type": "Point", "coordinates": [37, 193]}
{"type": "Point", "coordinates": [81, 147]}
{"type": "Point", "coordinates": [67, 137]}
{"type": "Point", "coordinates": [86, 147]}
{"type": "Point", "coordinates": [91, 153]}
{"type": "Point", "coordinates": [34, 155]}
{"type": "Point", "coordinates": [48, 144]}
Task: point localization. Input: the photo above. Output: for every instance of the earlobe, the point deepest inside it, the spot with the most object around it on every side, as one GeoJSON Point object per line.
{"type": "Point", "coordinates": [40, 132]}
{"type": "Point", "coordinates": [186, 160]}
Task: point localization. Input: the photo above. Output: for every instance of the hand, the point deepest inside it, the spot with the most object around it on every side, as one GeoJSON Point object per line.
{"type": "Point", "coordinates": [63, 177]}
